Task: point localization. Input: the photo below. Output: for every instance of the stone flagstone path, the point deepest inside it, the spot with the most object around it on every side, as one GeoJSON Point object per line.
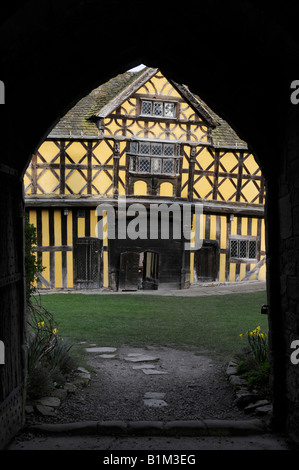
{"type": "Point", "coordinates": [151, 399]}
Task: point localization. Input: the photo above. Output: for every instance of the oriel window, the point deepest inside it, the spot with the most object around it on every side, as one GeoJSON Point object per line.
{"type": "Point", "coordinates": [157, 158]}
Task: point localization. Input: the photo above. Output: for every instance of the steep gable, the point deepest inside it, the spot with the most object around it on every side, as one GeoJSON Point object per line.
{"type": "Point", "coordinates": [82, 120]}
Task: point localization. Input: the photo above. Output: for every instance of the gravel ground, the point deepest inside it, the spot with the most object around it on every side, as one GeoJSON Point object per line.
{"type": "Point", "coordinates": [194, 388]}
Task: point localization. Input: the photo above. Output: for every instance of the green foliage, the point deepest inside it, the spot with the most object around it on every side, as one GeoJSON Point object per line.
{"type": "Point", "coordinates": [258, 343]}
{"type": "Point", "coordinates": [49, 358]}
{"type": "Point", "coordinates": [33, 266]}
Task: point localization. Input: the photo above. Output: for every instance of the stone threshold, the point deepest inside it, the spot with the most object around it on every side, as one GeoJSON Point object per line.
{"type": "Point", "coordinates": [206, 427]}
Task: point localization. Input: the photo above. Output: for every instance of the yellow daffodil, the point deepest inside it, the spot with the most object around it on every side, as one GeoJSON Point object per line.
{"type": "Point", "coordinates": [41, 324]}
{"type": "Point", "coordinates": [55, 331]}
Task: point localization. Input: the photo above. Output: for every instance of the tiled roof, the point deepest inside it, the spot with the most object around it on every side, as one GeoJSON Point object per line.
{"type": "Point", "coordinates": [80, 122]}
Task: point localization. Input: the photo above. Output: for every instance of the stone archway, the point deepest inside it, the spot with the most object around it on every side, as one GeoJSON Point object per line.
{"type": "Point", "coordinates": [50, 51]}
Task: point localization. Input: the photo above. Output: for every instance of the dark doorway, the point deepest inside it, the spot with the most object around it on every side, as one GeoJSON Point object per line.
{"type": "Point", "coordinates": [206, 263]}
{"type": "Point", "coordinates": [150, 270]}
{"type": "Point", "coordinates": [129, 271]}
{"type": "Point", "coordinates": [87, 252]}
{"type": "Point", "coordinates": [139, 270]}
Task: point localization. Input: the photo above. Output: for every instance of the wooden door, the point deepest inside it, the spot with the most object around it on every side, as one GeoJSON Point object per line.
{"type": "Point", "coordinates": [129, 271]}
{"type": "Point", "coordinates": [206, 263]}
{"type": "Point", "coordinates": [87, 263]}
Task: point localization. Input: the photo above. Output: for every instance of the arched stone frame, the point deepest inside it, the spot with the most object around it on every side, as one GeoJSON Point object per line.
{"type": "Point", "coordinates": [268, 50]}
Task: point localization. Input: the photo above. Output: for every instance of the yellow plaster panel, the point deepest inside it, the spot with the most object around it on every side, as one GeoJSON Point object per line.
{"type": "Point", "coordinates": [122, 152]}
{"type": "Point", "coordinates": [262, 272]}
{"type": "Point", "coordinates": [27, 181]}
{"type": "Point", "coordinates": [129, 107]}
{"type": "Point", "coordinates": [76, 151]}
{"type": "Point", "coordinates": [213, 227]}
{"type": "Point", "coordinates": [249, 192]}
{"type": "Point", "coordinates": [58, 269]}
{"type": "Point", "coordinates": [232, 272]}
{"type": "Point", "coordinates": [76, 181]}
{"type": "Point", "coordinates": [103, 152]}
{"type": "Point", "coordinates": [45, 227]}
{"type": "Point", "coordinates": [48, 182]}
{"type": "Point", "coordinates": [166, 189]}
{"type": "Point", "coordinates": [57, 227]}
{"type": "Point", "coordinates": [233, 226]}
{"type": "Point", "coordinates": [222, 267]}
{"type": "Point", "coordinates": [223, 226]}
{"type": "Point", "coordinates": [46, 265]}
{"type": "Point", "coordinates": [81, 226]}
{"type": "Point", "coordinates": [203, 187]}
{"type": "Point", "coordinates": [48, 150]}
{"type": "Point", "coordinates": [205, 160]}
{"type": "Point", "coordinates": [228, 163]}
{"type": "Point", "coordinates": [186, 112]}
{"type": "Point", "coordinates": [251, 165]}
{"type": "Point", "coordinates": [226, 189]}
{"type": "Point", "coordinates": [184, 191]}
{"type": "Point", "coordinates": [263, 247]}
{"type": "Point", "coordinates": [32, 217]}
{"type": "Point", "coordinates": [112, 126]}
{"type": "Point", "coordinates": [244, 225]}
{"type": "Point", "coordinates": [69, 260]}
{"type": "Point", "coordinates": [102, 182]}
{"type": "Point", "coordinates": [70, 228]}
{"type": "Point", "coordinates": [121, 188]}
{"type": "Point", "coordinates": [242, 271]}
{"type": "Point", "coordinates": [93, 223]}
{"type": "Point", "coordinates": [140, 188]}
{"type": "Point", "coordinates": [254, 227]}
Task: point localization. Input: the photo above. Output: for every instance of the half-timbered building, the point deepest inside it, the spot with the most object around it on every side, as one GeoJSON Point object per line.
{"type": "Point", "coordinates": [142, 138]}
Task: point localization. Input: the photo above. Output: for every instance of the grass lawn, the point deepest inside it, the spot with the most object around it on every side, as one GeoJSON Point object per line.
{"type": "Point", "coordinates": [205, 324]}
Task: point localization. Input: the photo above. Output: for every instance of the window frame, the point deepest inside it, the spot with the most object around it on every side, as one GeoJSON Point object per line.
{"type": "Point", "coordinates": [158, 116]}
{"type": "Point", "coordinates": [243, 238]}
{"type": "Point", "coordinates": [135, 156]}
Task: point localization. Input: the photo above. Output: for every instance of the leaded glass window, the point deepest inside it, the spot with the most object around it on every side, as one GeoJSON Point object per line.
{"type": "Point", "coordinates": [156, 149]}
{"type": "Point", "coordinates": [156, 165]}
{"type": "Point", "coordinates": [158, 108]}
{"type": "Point", "coordinates": [144, 148]}
{"type": "Point", "coordinates": [144, 165]}
{"type": "Point", "coordinates": [243, 248]}
{"type": "Point", "coordinates": [146, 107]}
{"type": "Point", "coordinates": [169, 109]}
{"type": "Point", "coordinates": [168, 166]}
{"type": "Point", "coordinates": [161, 158]}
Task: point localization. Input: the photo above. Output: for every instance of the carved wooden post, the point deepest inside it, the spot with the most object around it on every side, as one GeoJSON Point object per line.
{"type": "Point", "coordinates": [116, 157]}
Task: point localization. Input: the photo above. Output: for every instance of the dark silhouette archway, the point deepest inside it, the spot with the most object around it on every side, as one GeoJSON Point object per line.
{"type": "Point", "coordinates": [239, 57]}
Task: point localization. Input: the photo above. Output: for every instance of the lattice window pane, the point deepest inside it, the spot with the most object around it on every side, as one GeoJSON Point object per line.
{"type": "Point", "coordinates": [156, 149]}
{"type": "Point", "coordinates": [243, 249]}
{"type": "Point", "coordinates": [169, 150]}
{"type": "Point", "coordinates": [146, 107]}
{"type": "Point", "coordinates": [169, 109]}
{"type": "Point", "coordinates": [144, 148]}
{"type": "Point", "coordinates": [234, 248]}
{"type": "Point", "coordinates": [158, 109]}
{"type": "Point", "coordinates": [133, 164]}
{"type": "Point", "coordinates": [156, 165]}
{"type": "Point", "coordinates": [252, 249]}
{"type": "Point", "coordinates": [177, 166]}
{"type": "Point", "coordinates": [134, 147]}
{"type": "Point", "coordinates": [144, 165]}
{"type": "Point", "coordinates": [168, 166]}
